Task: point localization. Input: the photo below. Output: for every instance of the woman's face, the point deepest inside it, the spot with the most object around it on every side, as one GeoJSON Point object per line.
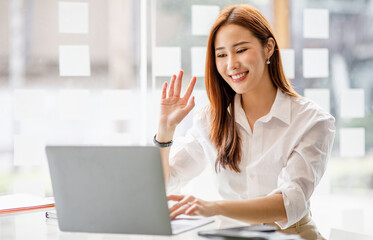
{"type": "Point", "coordinates": [240, 58]}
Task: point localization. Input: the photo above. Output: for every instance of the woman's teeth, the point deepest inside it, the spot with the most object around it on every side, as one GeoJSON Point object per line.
{"type": "Point", "coordinates": [239, 75]}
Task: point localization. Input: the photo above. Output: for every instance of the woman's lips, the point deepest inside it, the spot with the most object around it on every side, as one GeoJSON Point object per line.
{"type": "Point", "coordinates": [238, 77]}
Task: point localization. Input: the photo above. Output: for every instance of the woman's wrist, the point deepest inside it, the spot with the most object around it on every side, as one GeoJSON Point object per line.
{"type": "Point", "coordinates": [219, 208]}
{"type": "Point", "coordinates": [163, 138]}
{"type": "Point", "coordinates": [164, 135]}
{"type": "Point", "coordinates": [162, 144]}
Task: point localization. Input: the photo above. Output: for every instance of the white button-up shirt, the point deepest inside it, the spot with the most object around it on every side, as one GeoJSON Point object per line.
{"type": "Point", "coordinates": [286, 152]}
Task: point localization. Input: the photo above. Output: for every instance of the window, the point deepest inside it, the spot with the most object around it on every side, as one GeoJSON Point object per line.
{"type": "Point", "coordinates": [68, 75]}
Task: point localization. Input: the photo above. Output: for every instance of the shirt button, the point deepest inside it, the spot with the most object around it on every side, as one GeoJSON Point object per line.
{"type": "Point", "coordinates": [251, 175]}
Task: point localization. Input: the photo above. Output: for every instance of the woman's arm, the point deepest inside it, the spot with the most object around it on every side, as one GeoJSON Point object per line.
{"type": "Point", "coordinates": [164, 136]}
{"type": "Point", "coordinates": [266, 209]}
{"type": "Point", "coordinates": [173, 109]}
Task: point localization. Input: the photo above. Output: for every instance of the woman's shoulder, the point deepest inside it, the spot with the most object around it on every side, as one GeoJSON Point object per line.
{"type": "Point", "coordinates": [306, 108]}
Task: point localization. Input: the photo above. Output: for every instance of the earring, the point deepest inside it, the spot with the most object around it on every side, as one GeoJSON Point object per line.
{"type": "Point", "coordinates": [268, 62]}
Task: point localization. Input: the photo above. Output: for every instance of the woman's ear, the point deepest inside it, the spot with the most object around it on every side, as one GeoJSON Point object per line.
{"type": "Point", "coordinates": [270, 47]}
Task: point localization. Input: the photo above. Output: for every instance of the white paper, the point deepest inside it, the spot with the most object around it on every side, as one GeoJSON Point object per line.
{"type": "Point", "coordinates": [198, 61]}
{"type": "Point", "coordinates": [319, 96]}
{"type": "Point", "coordinates": [117, 104]}
{"type": "Point", "coordinates": [29, 105]}
{"type": "Point", "coordinates": [203, 17]}
{"type": "Point", "coordinates": [75, 104]}
{"type": "Point", "coordinates": [352, 142]}
{"type": "Point", "coordinates": [316, 23]}
{"type": "Point", "coordinates": [288, 62]}
{"type": "Point", "coordinates": [167, 61]}
{"type": "Point", "coordinates": [29, 150]}
{"type": "Point", "coordinates": [352, 103]}
{"type": "Point", "coordinates": [73, 17]}
{"type": "Point", "coordinates": [315, 63]}
{"type": "Point", "coordinates": [21, 200]}
{"type": "Point", "coordinates": [74, 60]}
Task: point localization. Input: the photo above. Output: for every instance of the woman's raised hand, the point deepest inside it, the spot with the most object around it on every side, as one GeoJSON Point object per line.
{"type": "Point", "coordinates": [173, 107]}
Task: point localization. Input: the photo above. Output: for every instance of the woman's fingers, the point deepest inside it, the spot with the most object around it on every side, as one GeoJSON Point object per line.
{"type": "Point", "coordinates": [189, 205]}
{"type": "Point", "coordinates": [190, 88]}
{"type": "Point", "coordinates": [175, 87]}
{"type": "Point", "coordinates": [179, 211]}
{"type": "Point", "coordinates": [186, 200]}
{"type": "Point", "coordinates": [193, 210]}
{"type": "Point", "coordinates": [175, 197]}
{"type": "Point", "coordinates": [164, 90]}
{"type": "Point", "coordinates": [189, 208]}
{"type": "Point", "coordinates": [178, 84]}
{"type": "Point", "coordinates": [189, 106]}
{"type": "Point", "coordinates": [172, 86]}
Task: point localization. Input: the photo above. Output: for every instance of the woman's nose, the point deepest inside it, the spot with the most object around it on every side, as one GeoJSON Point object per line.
{"type": "Point", "coordinates": [233, 63]}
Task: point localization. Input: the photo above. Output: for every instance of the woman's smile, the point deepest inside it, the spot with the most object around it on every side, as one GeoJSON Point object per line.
{"type": "Point", "coordinates": [238, 77]}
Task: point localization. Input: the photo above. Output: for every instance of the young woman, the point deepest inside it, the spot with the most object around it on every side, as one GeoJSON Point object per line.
{"type": "Point", "coordinates": [269, 146]}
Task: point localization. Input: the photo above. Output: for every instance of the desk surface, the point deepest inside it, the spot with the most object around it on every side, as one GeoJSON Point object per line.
{"type": "Point", "coordinates": [34, 225]}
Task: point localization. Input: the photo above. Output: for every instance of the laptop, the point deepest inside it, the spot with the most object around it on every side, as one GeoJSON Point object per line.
{"type": "Point", "coordinates": [107, 189]}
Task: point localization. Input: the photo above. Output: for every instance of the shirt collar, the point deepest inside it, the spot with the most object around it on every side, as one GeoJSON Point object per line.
{"type": "Point", "coordinates": [239, 114]}
{"type": "Point", "coordinates": [281, 109]}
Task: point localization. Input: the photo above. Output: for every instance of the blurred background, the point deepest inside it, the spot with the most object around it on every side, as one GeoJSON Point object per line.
{"type": "Point", "coordinates": [89, 72]}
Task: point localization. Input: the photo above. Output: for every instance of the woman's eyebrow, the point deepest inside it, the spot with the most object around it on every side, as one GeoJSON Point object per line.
{"type": "Point", "coordinates": [240, 43]}
{"type": "Point", "coordinates": [234, 45]}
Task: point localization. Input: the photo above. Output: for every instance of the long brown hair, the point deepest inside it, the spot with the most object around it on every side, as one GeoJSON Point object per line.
{"type": "Point", "coordinates": [223, 129]}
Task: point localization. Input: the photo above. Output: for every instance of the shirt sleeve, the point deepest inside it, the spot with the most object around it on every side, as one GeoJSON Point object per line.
{"type": "Point", "coordinates": [187, 156]}
{"type": "Point", "coordinates": [304, 169]}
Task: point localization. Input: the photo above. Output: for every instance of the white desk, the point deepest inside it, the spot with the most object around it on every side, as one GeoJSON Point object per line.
{"type": "Point", "coordinates": [34, 225]}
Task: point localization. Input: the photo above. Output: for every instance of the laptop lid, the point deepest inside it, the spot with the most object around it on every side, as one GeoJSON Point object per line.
{"type": "Point", "coordinates": [105, 189]}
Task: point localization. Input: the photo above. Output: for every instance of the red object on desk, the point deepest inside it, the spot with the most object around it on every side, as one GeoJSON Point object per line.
{"type": "Point", "coordinates": [23, 202]}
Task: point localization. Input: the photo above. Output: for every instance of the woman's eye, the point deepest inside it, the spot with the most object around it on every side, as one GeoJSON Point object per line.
{"type": "Point", "coordinates": [221, 55]}
{"type": "Point", "coordinates": [241, 50]}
